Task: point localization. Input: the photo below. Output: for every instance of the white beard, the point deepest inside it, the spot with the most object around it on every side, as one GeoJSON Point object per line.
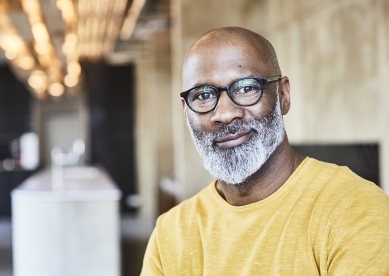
{"type": "Point", "coordinates": [235, 165]}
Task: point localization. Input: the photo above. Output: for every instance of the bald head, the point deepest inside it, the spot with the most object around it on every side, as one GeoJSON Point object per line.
{"type": "Point", "coordinates": [235, 43]}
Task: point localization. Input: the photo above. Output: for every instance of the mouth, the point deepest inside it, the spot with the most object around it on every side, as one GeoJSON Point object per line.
{"type": "Point", "coordinates": [234, 140]}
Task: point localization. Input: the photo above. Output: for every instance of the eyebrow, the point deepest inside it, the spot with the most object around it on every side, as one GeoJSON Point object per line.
{"type": "Point", "coordinates": [200, 84]}
{"type": "Point", "coordinates": [207, 84]}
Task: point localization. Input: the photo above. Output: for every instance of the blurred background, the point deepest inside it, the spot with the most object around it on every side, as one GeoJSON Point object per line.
{"type": "Point", "coordinates": [108, 73]}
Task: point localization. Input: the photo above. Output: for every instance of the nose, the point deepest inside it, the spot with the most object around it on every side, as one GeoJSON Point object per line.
{"type": "Point", "coordinates": [226, 110]}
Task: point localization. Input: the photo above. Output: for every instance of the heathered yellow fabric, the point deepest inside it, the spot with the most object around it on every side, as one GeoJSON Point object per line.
{"type": "Point", "coordinates": [324, 220]}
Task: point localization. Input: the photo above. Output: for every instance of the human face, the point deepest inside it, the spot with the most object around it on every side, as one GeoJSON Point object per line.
{"type": "Point", "coordinates": [234, 165]}
{"type": "Point", "coordinates": [233, 141]}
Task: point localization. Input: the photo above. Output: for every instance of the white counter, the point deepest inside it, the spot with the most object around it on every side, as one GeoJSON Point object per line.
{"type": "Point", "coordinates": [71, 229]}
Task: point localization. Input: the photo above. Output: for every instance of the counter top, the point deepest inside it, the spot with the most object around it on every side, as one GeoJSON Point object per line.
{"type": "Point", "coordinates": [79, 184]}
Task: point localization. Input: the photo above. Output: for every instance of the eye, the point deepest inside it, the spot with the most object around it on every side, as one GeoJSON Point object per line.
{"type": "Point", "coordinates": [246, 86]}
{"type": "Point", "coordinates": [206, 96]}
{"type": "Point", "coordinates": [203, 94]}
{"type": "Point", "coordinates": [246, 89]}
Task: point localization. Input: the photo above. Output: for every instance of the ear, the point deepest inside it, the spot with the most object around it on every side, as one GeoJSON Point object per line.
{"type": "Point", "coordinates": [183, 104]}
{"type": "Point", "coordinates": [284, 95]}
{"type": "Point", "coordinates": [184, 107]}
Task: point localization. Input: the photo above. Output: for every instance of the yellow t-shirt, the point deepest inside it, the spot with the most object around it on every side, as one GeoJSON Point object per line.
{"type": "Point", "coordinates": [324, 220]}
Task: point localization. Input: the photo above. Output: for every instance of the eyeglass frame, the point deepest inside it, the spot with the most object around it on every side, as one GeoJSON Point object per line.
{"type": "Point", "coordinates": [262, 82]}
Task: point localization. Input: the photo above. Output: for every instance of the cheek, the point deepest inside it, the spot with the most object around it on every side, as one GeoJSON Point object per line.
{"type": "Point", "coordinates": [259, 110]}
{"type": "Point", "coordinates": [197, 121]}
{"type": "Point", "coordinates": [264, 107]}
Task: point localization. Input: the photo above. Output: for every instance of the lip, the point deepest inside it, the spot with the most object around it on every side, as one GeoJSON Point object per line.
{"type": "Point", "coordinates": [234, 140]}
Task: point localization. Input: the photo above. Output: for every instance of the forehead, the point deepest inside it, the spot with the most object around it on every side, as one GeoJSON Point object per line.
{"type": "Point", "coordinates": [219, 66]}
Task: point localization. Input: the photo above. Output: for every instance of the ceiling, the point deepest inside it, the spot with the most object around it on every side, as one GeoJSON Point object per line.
{"type": "Point", "coordinates": [47, 41]}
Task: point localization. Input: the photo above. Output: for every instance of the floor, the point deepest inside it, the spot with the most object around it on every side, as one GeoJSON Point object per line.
{"type": "Point", "coordinates": [133, 235]}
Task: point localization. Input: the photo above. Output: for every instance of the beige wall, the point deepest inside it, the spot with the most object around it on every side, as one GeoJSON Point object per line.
{"type": "Point", "coordinates": [153, 133]}
{"type": "Point", "coordinates": [334, 52]}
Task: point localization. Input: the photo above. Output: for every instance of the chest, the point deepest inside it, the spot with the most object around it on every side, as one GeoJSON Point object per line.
{"type": "Point", "coordinates": [266, 243]}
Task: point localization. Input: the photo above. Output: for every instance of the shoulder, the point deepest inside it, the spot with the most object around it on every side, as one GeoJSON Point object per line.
{"type": "Point", "coordinates": [358, 226]}
{"type": "Point", "coordinates": [337, 194]}
{"type": "Point", "coordinates": [339, 180]}
{"type": "Point", "coordinates": [346, 201]}
{"type": "Point", "coordinates": [349, 220]}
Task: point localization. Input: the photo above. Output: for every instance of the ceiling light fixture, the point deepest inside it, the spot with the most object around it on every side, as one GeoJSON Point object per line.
{"type": "Point", "coordinates": [56, 89]}
{"type": "Point", "coordinates": [71, 80]}
{"type": "Point", "coordinates": [131, 19]}
{"type": "Point", "coordinates": [38, 81]}
{"type": "Point", "coordinates": [47, 45]}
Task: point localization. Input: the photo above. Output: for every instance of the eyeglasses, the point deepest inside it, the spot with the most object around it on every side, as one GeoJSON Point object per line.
{"type": "Point", "coordinates": [244, 92]}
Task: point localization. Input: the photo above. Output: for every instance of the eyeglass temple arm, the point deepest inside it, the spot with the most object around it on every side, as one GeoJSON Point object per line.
{"type": "Point", "coordinates": [273, 79]}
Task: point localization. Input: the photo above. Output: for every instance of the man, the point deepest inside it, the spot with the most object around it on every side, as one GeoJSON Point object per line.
{"type": "Point", "coordinates": [270, 211]}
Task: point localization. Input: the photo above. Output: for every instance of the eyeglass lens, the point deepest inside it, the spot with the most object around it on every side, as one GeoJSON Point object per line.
{"type": "Point", "coordinates": [243, 92]}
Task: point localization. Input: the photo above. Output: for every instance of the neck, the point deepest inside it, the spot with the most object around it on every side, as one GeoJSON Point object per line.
{"type": "Point", "coordinates": [268, 179]}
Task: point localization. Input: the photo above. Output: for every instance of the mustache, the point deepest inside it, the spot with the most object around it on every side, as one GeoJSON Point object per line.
{"type": "Point", "coordinates": [234, 127]}
{"type": "Point", "coordinates": [254, 125]}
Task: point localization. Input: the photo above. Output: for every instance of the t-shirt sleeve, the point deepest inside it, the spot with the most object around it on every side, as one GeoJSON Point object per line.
{"type": "Point", "coordinates": [358, 241]}
{"type": "Point", "coordinates": [152, 265]}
